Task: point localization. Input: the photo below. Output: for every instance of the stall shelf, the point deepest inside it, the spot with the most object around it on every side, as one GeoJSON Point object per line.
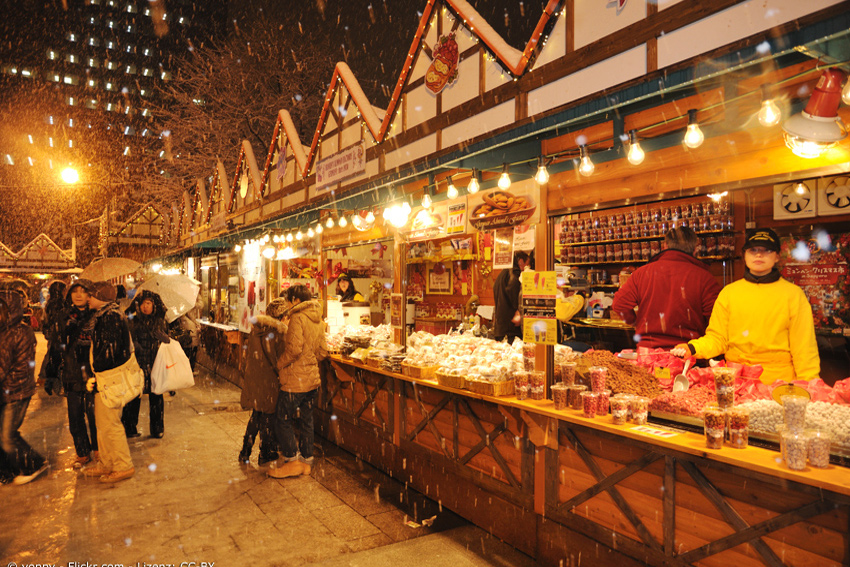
{"type": "Point", "coordinates": [558, 486]}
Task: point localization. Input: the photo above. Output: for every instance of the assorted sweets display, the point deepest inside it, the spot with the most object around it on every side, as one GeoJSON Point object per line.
{"type": "Point", "coordinates": [598, 383]}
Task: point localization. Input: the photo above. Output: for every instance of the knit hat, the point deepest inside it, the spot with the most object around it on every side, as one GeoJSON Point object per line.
{"type": "Point", "coordinates": [277, 308]}
{"type": "Point", "coordinates": [763, 237]}
{"type": "Point", "coordinates": [103, 291]}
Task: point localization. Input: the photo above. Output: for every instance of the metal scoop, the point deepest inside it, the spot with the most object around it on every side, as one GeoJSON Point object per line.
{"type": "Point", "coordinates": [680, 382]}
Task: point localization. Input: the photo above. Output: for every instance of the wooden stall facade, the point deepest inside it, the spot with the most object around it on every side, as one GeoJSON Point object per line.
{"type": "Point", "coordinates": [567, 490]}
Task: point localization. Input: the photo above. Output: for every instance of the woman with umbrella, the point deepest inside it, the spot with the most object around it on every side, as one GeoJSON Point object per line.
{"type": "Point", "coordinates": [149, 329]}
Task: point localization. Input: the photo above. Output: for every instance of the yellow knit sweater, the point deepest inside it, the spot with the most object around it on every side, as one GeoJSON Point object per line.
{"type": "Point", "coordinates": [768, 324]}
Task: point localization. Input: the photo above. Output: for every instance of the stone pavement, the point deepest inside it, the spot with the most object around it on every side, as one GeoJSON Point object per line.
{"type": "Point", "coordinates": [190, 501]}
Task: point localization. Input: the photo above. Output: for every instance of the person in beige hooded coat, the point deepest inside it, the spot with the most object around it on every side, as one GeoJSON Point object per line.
{"type": "Point", "coordinates": [298, 371]}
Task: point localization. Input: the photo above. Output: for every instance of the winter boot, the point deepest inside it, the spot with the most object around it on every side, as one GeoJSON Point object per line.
{"type": "Point", "coordinates": [247, 446]}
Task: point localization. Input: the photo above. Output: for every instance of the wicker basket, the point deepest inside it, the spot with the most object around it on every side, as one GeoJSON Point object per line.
{"type": "Point", "coordinates": [505, 388]}
{"type": "Point", "coordinates": [451, 381]}
{"type": "Point", "coordinates": [423, 372]}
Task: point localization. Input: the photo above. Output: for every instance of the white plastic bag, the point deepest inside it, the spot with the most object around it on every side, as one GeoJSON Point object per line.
{"type": "Point", "coordinates": [171, 369]}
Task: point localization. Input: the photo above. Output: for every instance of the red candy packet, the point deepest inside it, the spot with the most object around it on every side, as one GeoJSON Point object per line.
{"type": "Point", "coordinates": [841, 392]}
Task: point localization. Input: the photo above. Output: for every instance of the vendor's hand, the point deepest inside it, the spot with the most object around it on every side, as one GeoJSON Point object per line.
{"type": "Point", "coordinates": [90, 384]}
{"type": "Point", "coordinates": [517, 318]}
{"type": "Point", "coordinates": [681, 350]}
{"type": "Point", "coordinates": [162, 337]}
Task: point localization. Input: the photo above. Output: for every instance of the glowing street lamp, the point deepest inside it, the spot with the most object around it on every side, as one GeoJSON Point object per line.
{"type": "Point", "coordinates": [70, 175]}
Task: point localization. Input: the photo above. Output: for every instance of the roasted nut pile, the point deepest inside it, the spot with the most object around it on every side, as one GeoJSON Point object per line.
{"type": "Point", "coordinates": [623, 377]}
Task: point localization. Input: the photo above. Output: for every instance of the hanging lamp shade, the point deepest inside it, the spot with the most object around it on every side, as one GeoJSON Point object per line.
{"type": "Point", "coordinates": [818, 128]}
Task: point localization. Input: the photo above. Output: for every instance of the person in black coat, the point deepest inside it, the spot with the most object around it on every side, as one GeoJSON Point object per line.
{"type": "Point", "coordinates": [72, 346]}
{"type": "Point", "coordinates": [49, 372]}
{"type": "Point", "coordinates": [506, 291]}
{"type": "Point", "coordinates": [20, 462]}
{"type": "Point", "coordinates": [149, 329]}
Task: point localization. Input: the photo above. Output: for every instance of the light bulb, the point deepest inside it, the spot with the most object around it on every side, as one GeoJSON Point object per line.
{"type": "Point", "coordinates": [451, 192]}
{"type": "Point", "coordinates": [330, 223]}
{"type": "Point", "coordinates": [269, 252]}
{"type": "Point", "coordinates": [299, 235]}
{"type": "Point", "coordinates": [636, 154]}
{"type": "Point", "coordinates": [693, 135]}
{"type": "Point", "coordinates": [845, 93]}
{"type": "Point", "coordinates": [426, 201]}
{"type": "Point", "coordinates": [343, 222]}
{"type": "Point", "coordinates": [504, 179]}
{"type": "Point", "coordinates": [542, 176]}
{"type": "Point", "coordinates": [586, 166]}
{"type": "Point", "coordinates": [473, 186]}
{"type": "Point", "coordinates": [406, 209]}
{"type": "Point", "coordinates": [289, 237]}
{"type": "Point", "coordinates": [800, 188]}
{"type": "Point", "coordinates": [370, 217]}
{"type": "Point", "coordinates": [310, 232]}
{"type": "Point", "coordinates": [769, 113]}
{"type": "Point", "coordinates": [237, 248]}
{"type": "Point", "coordinates": [319, 228]}
{"type": "Point", "coordinates": [276, 238]}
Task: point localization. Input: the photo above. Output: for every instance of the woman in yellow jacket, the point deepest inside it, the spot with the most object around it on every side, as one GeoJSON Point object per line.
{"type": "Point", "coordinates": [762, 319]}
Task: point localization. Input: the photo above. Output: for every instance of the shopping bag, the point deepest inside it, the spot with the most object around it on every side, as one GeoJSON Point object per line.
{"type": "Point", "coordinates": [171, 369]}
{"type": "Point", "coordinates": [117, 386]}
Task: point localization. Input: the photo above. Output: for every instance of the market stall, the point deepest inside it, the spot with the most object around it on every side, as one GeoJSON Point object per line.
{"type": "Point", "coordinates": [564, 488]}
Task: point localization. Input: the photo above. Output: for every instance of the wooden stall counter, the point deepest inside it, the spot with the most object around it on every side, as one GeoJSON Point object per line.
{"type": "Point", "coordinates": [833, 478]}
{"type": "Point", "coordinates": [221, 351]}
{"type": "Point", "coordinates": [559, 486]}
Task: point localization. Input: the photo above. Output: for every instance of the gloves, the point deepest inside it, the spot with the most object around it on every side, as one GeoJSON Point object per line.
{"type": "Point", "coordinates": [90, 384]}
{"type": "Point", "coordinates": [162, 337]}
{"type": "Point", "coordinates": [52, 385]}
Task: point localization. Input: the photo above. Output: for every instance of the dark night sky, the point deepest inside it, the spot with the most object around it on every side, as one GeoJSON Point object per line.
{"type": "Point", "coordinates": [373, 36]}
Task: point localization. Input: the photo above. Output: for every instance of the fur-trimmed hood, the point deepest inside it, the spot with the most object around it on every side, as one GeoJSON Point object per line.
{"type": "Point", "coordinates": [271, 323]}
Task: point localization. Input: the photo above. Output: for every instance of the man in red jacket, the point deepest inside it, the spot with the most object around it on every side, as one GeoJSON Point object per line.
{"type": "Point", "coordinates": [674, 294]}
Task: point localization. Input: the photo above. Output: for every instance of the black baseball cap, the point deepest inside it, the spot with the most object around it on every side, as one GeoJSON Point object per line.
{"type": "Point", "coordinates": [764, 237]}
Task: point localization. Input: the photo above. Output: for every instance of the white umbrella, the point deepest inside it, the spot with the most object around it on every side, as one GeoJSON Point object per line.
{"type": "Point", "coordinates": [178, 292]}
{"type": "Point", "coordinates": [105, 269]}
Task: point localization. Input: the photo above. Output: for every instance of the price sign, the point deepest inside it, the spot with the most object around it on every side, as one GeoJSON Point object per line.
{"type": "Point", "coordinates": [457, 219]}
{"type": "Point", "coordinates": [540, 331]}
{"type": "Point", "coordinates": [539, 283]}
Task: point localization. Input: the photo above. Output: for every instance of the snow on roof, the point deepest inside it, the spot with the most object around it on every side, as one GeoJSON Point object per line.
{"type": "Point", "coordinates": [291, 132]}
{"type": "Point", "coordinates": [367, 111]}
{"type": "Point", "coordinates": [478, 25]}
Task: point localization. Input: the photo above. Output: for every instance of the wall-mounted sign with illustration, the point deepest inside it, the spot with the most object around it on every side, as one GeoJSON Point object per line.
{"type": "Point", "coordinates": [426, 224]}
{"type": "Point", "coordinates": [439, 279]}
{"type": "Point", "coordinates": [443, 68]}
{"type": "Point", "coordinates": [343, 164]}
{"type": "Point", "coordinates": [503, 248]}
{"type": "Point", "coordinates": [819, 265]}
{"type": "Point", "coordinates": [502, 208]}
